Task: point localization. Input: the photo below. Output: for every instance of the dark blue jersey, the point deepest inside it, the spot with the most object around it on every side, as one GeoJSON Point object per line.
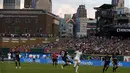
{"type": "Point", "coordinates": [63, 53]}
{"type": "Point", "coordinates": [16, 53]}
{"type": "Point", "coordinates": [114, 59]}
{"type": "Point", "coordinates": [107, 58]}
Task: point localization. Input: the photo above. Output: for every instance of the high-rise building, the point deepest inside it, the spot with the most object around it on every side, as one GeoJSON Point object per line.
{"type": "Point", "coordinates": [81, 11]}
{"type": "Point", "coordinates": [11, 4]}
{"type": "Point", "coordinates": [81, 27]}
{"type": "Point", "coordinates": [45, 5]}
{"type": "Point", "coordinates": [118, 3]}
{"type": "Point", "coordinates": [30, 3]}
{"type": "Point", "coordinates": [80, 18]}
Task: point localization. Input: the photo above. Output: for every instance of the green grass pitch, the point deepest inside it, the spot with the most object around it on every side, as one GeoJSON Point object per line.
{"type": "Point", "coordinates": [48, 68]}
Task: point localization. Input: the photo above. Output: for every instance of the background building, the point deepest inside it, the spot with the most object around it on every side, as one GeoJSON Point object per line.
{"type": "Point", "coordinates": [123, 16]}
{"type": "Point", "coordinates": [66, 27]}
{"type": "Point", "coordinates": [30, 3]}
{"type": "Point", "coordinates": [31, 21]}
{"type": "Point", "coordinates": [81, 27]}
{"type": "Point", "coordinates": [81, 21]}
{"type": "Point", "coordinates": [123, 10]}
{"type": "Point", "coordinates": [45, 5]}
{"type": "Point", "coordinates": [67, 16]}
{"type": "Point", "coordinates": [118, 3]}
{"type": "Point", "coordinates": [27, 3]}
{"type": "Point", "coordinates": [62, 27]}
{"type": "Point", "coordinates": [81, 11]}
{"type": "Point", "coordinates": [105, 16]}
{"type": "Point", "coordinates": [69, 26]}
{"type": "Point", "coordinates": [91, 26]}
{"type": "Point", "coordinates": [11, 4]}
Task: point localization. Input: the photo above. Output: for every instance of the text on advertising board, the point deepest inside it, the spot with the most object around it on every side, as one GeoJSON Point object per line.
{"type": "Point", "coordinates": [122, 30]}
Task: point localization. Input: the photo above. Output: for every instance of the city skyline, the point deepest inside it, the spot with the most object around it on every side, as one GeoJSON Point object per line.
{"type": "Point", "coordinates": [61, 7]}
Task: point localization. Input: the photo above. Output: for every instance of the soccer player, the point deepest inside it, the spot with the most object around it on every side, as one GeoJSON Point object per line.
{"type": "Point", "coordinates": [70, 60]}
{"type": "Point", "coordinates": [17, 59]}
{"type": "Point", "coordinates": [2, 57]}
{"type": "Point", "coordinates": [77, 59]}
{"type": "Point", "coordinates": [115, 62]}
{"type": "Point", "coordinates": [106, 62]}
{"type": "Point", "coordinates": [54, 59]}
{"type": "Point", "coordinates": [63, 54]}
{"type": "Point", "coordinates": [9, 57]}
{"type": "Point", "coordinates": [34, 58]}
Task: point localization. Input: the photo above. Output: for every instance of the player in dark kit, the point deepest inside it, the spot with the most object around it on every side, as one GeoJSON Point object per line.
{"type": "Point", "coordinates": [106, 62]}
{"type": "Point", "coordinates": [63, 54]}
{"type": "Point", "coordinates": [115, 62]}
{"type": "Point", "coordinates": [2, 57]}
{"type": "Point", "coordinates": [17, 59]}
{"type": "Point", "coordinates": [54, 59]}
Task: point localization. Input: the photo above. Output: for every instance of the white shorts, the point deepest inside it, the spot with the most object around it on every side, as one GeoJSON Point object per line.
{"type": "Point", "coordinates": [77, 59]}
{"type": "Point", "coordinates": [9, 58]}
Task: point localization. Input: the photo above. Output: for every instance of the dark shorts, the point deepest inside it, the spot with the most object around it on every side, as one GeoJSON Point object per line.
{"type": "Point", "coordinates": [33, 59]}
{"type": "Point", "coordinates": [106, 63]}
{"type": "Point", "coordinates": [54, 60]}
{"type": "Point", "coordinates": [17, 59]}
{"type": "Point", "coordinates": [115, 63]}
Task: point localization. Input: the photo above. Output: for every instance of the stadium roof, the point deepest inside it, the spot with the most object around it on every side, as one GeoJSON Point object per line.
{"type": "Point", "coordinates": [104, 6]}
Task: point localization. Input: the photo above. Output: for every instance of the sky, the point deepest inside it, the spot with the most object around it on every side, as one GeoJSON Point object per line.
{"type": "Point", "coordinates": [61, 7]}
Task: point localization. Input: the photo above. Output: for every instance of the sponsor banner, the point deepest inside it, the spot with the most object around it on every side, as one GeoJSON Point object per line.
{"type": "Point", "coordinates": [33, 39]}
{"type": "Point", "coordinates": [83, 62]}
{"type": "Point", "coordinates": [23, 39]}
{"type": "Point", "coordinates": [40, 56]}
{"type": "Point", "coordinates": [6, 59]}
{"type": "Point", "coordinates": [122, 30]}
{"type": "Point", "coordinates": [126, 58]}
{"type": "Point", "coordinates": [5, 39]}
{"type": "Point", "coordinates": [14, 39]}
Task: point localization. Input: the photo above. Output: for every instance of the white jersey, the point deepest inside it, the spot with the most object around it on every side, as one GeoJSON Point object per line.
{"type": "Point", "coordinates": [9, 55]}
{"type": "Point", "coordinates": [78, 55]}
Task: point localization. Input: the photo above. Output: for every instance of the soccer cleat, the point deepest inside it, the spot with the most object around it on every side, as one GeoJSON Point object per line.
{"type": "Point", "coordinates": [62, 67]}
{"type": "Point", "coordinates": [16, 67]}
{"type": "Point", "coordinates": [76, 72]}
{"type": "Point", "coordinates": [19, 67]}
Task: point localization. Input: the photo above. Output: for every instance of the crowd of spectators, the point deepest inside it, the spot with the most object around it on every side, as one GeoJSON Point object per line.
{"type": "Point", "coordinates": [100, 45]}
{"type": "Point", "coordinates": [90, 45]}
{"type": "Point", "coordinates": [47, 47]}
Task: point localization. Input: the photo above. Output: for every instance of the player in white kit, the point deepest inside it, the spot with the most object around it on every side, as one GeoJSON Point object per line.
{"type": "Point", "coordinates": [77, 59]}
{"type": "Point", "coordinates": [9, 57]}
